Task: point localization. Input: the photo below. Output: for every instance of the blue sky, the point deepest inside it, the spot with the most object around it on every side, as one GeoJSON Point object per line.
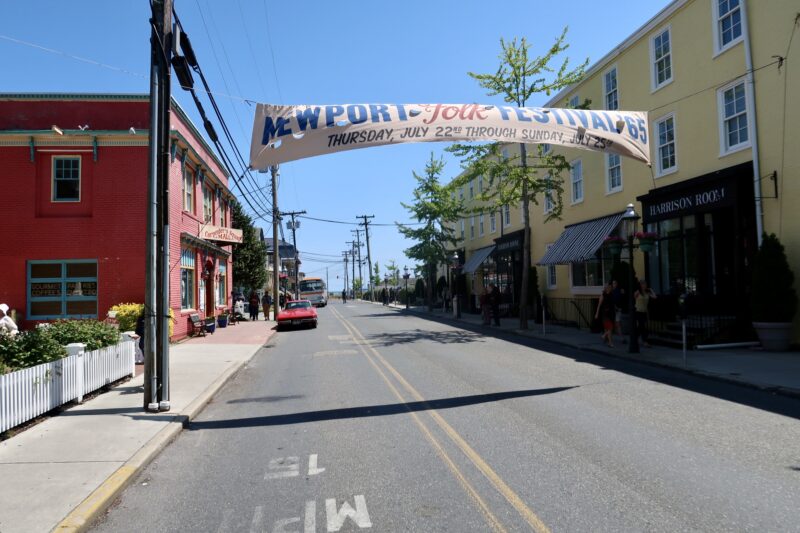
{"type": "Point", "coordinates": [312, 52]}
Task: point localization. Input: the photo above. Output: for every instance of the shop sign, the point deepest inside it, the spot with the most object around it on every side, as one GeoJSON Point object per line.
{"type": "Point", "coordinates": [218, 233]}
{"type": "Point", "coordinates": [287, 133]}
{"type": "Point", "coordinates": [690, 202]}
{"type": "Point", "coordinates": [508, 245]}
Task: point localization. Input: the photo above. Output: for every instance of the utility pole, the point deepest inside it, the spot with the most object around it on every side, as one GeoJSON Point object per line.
{"type": "Point", "coordinates": [369, 255]}
{"type": "Point", "coordinates": [344, 290]}
{"type": "Point", "coordinates": [293, 225]}
{"type": "Point", "coordinates": [276, 220]}
{"type": "Point", "coordinates": [156, 382]}
{"type": "Point", "coordinates": [352, 253]}
{"type": "Point", "coordinates": [357, 249]}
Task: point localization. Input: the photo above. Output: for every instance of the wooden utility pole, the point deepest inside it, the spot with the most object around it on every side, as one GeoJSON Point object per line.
{"type": "Point", "coordinates": [369, 255]}
{"type": "Point", "coordinates": [276, 220]}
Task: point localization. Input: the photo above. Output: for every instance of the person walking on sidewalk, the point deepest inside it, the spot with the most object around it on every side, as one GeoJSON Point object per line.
{"type": "Point", "coordinates": [253, 305]}
{"type": "Point", "coordinates": [618, 297]}
{"type": "Point", "coordinates": [642, 299]}
{"type": "Point", "coordinates": [266, 303]}
{"type": "Point", "coordinates": [344, 297]}
{"type": "Point", "coordinates": [605, 312]}
{"type": "Point", "coordinates": [485, 311]}
{"type": "Point", "coordinates": [494, 302]}
{"type": "Point", "coordinates": [7, 324]}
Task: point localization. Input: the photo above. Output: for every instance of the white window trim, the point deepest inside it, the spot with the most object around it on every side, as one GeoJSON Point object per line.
{"type": "Point", "coordinates": [552, 206]}
{"type": "Point", "coordinates": [724, 149]}
{"type": "Point", "coordinates": [481, 225]}
{"type": "Point", "coordinates": [718, 47]}
{"type": "Point", "coordinates": [614, 190]}
{"type": "Point", "coordinates": [574, 98]}
{"type": "Point", "coordinates": [605, 88]}
{"type": "Point", "coordinates": [493, 222]}
{"type": "Point", "coordinates": [53, 199]}
{"type": "Point", "coordinates": [653, 85]}
{"type": "Point", "coordinates": [659, 172]}
{"type": "Point", "coordinates": [505, 217]}
{"type": "Point", "coordinates": [572, 199]}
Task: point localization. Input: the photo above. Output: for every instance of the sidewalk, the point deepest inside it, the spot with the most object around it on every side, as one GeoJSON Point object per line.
{"type": "Point", "coordinates": [65, 471]}
{"type": "Point", "coordinates": [774, 371]}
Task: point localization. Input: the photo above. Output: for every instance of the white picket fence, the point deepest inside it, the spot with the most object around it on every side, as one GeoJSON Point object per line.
{"type": "Point", "coordinates": [27, 393]}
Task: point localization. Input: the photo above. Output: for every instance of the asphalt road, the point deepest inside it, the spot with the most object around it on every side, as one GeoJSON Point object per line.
{"type": "Point", "coordinates": [386, 422]}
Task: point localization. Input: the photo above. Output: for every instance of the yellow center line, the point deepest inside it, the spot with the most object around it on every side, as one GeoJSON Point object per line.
{"type": "Point", "coordinates": [526, 512]}
{"type": "Point", "coordinates": [491, 519]}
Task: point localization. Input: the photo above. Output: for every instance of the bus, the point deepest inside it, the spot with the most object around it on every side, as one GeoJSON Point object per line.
{"type": "Point", "coordinates": [314, 290]}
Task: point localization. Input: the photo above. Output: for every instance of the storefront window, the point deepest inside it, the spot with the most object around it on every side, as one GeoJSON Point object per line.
{"type": "Point", "coordinates": [187, 278]}
{"type": "Point", "coordinates": [221, 290]}
{"type": "Point", "coordinates": [62, 289]}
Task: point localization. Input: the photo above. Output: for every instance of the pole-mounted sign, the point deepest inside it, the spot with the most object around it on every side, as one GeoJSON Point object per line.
{"type": "Point", "coordinates": [288, 133]}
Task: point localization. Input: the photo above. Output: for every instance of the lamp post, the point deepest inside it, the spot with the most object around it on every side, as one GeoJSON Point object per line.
{"type": "Point", "coordinates": [406, 275]}
{"type": "Point", "coordinates": [629, 220]}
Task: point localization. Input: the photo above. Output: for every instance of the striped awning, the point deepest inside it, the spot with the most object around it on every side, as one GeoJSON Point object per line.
{"type": "Point", "coordinates": [477, 257]}
{"type": "Point", "coordinates": [579, 242]}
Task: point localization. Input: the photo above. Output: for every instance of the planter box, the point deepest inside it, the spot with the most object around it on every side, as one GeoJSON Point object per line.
{"type": "Point", "coordinates": [774, 336]}
{"type": "Point", "coordinates": [222, 321]}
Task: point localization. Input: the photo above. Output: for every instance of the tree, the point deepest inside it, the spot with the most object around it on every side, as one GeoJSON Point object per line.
{"type": "Point", "coordinates": [520, 178]}
{"type": "Point", "coordinates": [376, 275]}
{"type": "Point", "coordinates": [249, 257]}
{"type": "Point", "coordinates": [436, 210]}
{"type": "Point", "coordinates": [394, 271]}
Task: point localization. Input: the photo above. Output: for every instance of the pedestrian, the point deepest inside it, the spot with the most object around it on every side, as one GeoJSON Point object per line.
{"type": "Point", "coordinates": [282, 299]}
{"type": "Point", "coordinates": [140, 329]}
{"type": "Point", "coordinates": [485, 310]}
{"type": "Point", "coordinates": [266, 304]}
{"type": "Point", "coordinates": [344, 296]}
{"type": "Point", "coordinates": [494, 301]}
{"type": "Point", "coordinates": [253, 305]}
{"type": "Point", "coordinates": [618, 297]}
{"type": "Point", "coordinates": [605, 312]}
{"type": "Point", "coordinates": [642, 299]}
{"type": "Point", "coordinates": [7, 324]}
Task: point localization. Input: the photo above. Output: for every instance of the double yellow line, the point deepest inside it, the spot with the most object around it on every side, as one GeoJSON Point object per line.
{"type": "Point", "coordinates": [525, 512]}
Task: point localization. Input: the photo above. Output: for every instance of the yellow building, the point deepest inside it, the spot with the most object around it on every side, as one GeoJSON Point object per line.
{"type": "Point", "coordinates": [716, 78]}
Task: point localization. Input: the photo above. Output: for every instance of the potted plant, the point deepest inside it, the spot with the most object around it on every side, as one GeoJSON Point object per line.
{"type": "Point", "coordinates": [614, 244]}
{"type": "Point", "coordinates": [222, 320]}
{"type": "Point", "coordinates": [647, 240]}
{"type": "Point", "coordinates": [211, 324]}
{"type": "Point", "coordinates": [773, 300]}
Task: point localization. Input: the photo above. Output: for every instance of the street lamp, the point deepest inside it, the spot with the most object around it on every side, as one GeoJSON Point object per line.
{"type": "Point", "coordinates": [406, 275]}
{"type": "Point", "coordinates": [629, 220]}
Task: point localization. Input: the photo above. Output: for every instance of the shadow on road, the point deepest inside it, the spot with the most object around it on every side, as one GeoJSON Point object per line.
{"type": "Point", "coordinates": [269, 399]}
{"type": "Point", "coordinates": [368, 411]}
{"type": "Point", "coordinates": [417, 335]}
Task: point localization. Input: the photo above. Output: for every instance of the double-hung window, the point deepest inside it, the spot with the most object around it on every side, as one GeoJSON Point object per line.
{"type": "Point", "coordinates": [661, 56]}
{"type": "Point", "coordinates": [208, 204]}
{"type": "Point", "coordinates": [66, 179]}
{"type": "Point", "coordinates": [610, 89]}
{"type": "Point", "coordinates": [727, 24]}
{"type": "Point", "coordinates": [462, 229]}
{"type": "Point", "coordinates": [576, 178]}
{"type": "Point", "coordinates": [472, 227]}
{"type": "Point", "coordinates": [62, 289]}
{"type": "Point", "coordinates": [666, 161]}
{"type": "Point", "coordinates": [480, 184]}
{"type": "Point", "coordinates": [506, 215]}
{"type": "Point", "coordinates": [222, 292]}
{"type": "Point", "coordinates": [493, 221]}
{"type": "Point", "coordinates": [551, 272]}
{"type": "Point", "coordinates": [548, 194]}
{"type": "Point", "coordinates": [480, 225]}
{"type": "Point", "coordinates": [574, 101]}
{"type": "Point", "coordinates": [187, 278]}
{"type": "Point", "coordinates": [732, 102]}
{"type": "Point", "coordinates": [223, 213]}
{"type": "Point", "coordinates": [613, 173]}
{"type": "Point", "coordinates": [471, 189]}
{"type": "Point", "coordinates": [188, 190]}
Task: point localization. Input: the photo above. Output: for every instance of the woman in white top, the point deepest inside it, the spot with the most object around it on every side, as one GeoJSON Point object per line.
{"type": "Point", "coordinates": [7, 325]}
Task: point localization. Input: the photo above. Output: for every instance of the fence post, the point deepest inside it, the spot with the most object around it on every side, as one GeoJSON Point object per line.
{"type": "Point", "coordinates": [78, 348]}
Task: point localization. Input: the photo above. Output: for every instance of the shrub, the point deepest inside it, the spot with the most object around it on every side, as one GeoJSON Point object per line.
{"type": "Point", "coordinates": [773, 298]}
{"type": "Point", "coordinates": [29, 348]}
{"type": "Point", "coordinates": [128, 313]}
{"type": "Point", "coordinates": [93, 333]}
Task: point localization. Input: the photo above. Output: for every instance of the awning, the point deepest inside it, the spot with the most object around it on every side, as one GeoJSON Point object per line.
{"type": "Point", "coordinates": [580, 242]}
{"type": "Point", "coordinates": [477, 257]}
{"type": "Point", "coordinates": [202, 244]}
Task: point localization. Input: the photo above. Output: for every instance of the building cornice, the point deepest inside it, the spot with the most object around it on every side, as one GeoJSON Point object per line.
{"type": "Point", "coordinates": [132, 97]}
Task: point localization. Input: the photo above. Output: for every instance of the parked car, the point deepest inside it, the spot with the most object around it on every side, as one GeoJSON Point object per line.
{"type": "Point", "coordinates": [297, 313]}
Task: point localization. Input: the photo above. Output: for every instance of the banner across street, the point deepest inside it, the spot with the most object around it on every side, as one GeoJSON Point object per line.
{"type": "Point", "coordinates": [288, 133]}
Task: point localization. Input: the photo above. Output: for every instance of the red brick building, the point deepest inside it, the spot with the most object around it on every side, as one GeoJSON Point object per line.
{"type": "Point", "coordinates": [74, 187]}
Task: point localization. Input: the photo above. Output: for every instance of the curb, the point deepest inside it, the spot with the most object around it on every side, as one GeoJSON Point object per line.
{"type": "Point", "coordinates": [779, 390]}
{"type": "Point", "coordinates": [95, 505]}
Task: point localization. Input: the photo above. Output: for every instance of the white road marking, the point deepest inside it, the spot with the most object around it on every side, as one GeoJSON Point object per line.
{"type": "Point", "coordinates": [310, 524]}
{"type": "Point", "coordinates": [258, 518]}
{"type": "Point", "coordinates": [359, 515]}
{"type": "Point", "coordinates": [312, 465]}
{"type": "Point", "coordinates": [335, 352]}
{"type": "Point", "coordinates": [280, 525]}
{"type": "Point", "coordinates": [283, 467]}
{"type": "Point", "coordinates": [339, 337]}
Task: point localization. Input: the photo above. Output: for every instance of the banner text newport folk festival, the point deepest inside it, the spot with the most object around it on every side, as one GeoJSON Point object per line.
{"type": "Point", "coordinates": [309, 118]}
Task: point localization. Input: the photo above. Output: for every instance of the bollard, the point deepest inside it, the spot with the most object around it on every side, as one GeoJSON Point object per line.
{"type": "Point", "coordinates": [78, 348]}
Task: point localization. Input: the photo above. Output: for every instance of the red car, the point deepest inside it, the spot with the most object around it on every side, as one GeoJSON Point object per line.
{"type": "Point", "coordinates": [297, 313]}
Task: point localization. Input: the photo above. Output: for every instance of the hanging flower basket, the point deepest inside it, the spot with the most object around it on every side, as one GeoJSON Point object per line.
{"type": "Point", "coordinates": [647, 240]}
{"type": "Point", "coordinates": [613, 245]}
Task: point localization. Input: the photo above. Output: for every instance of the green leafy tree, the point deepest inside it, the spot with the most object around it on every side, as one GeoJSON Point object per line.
{"type": "Point", "coordinates": [520, 177]}
{"type": "Point", "coordinates": [250, 256]}
{"type": "Point", "coordinates": [437, 211]}
{"type": "Point", "coordinates": [394, 271]}
{"type": "Point", "coordinates": [357, 286]}
{"type": "Point", "coordinates": [376, 275]}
